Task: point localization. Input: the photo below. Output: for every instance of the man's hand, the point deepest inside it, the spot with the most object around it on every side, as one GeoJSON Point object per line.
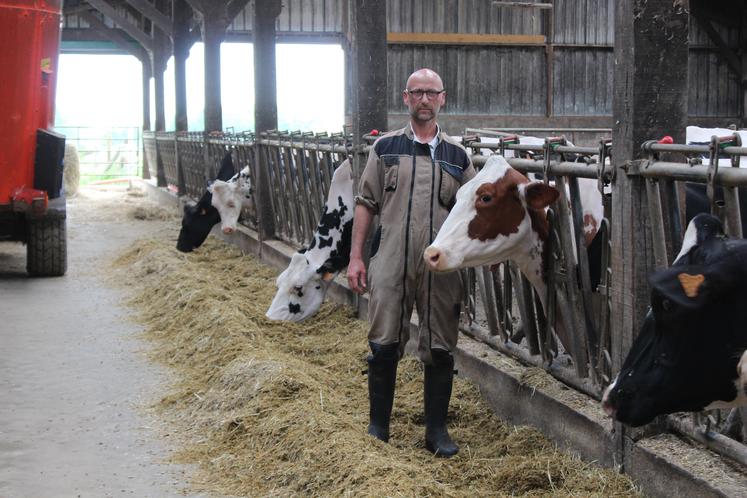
{"type": "Point", "coordinates": [357, 275]}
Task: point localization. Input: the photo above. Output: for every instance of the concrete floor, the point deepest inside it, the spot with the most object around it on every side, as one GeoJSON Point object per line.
{"type": "Point", "coordinates": [74, 382]}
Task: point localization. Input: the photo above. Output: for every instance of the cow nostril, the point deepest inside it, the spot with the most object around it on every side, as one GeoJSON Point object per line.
{"type": "Point", "coordinates": [608, 408]}
{"type": "Point", "coordinates": [432, 256]}
{"type": "Point", "coordinates": [228, 230]}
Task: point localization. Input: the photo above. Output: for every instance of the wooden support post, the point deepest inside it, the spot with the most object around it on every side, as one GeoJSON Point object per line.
{"type": "Point", "coordinates": [549, 15]}
{"type": "Point", "coordinates": [743, 77]}
{"type": "Point", "coordinates": [160, 56]}
{"type": "Point", "coordinates": [147, 72]}
{"type": "Point", "coordinates": [216, 16]}
{"type": "Point", "coordinates": [265, 102]}
{"type": "Point", "coordinates": [214, 31]}
{"type": "Point", "coordinates": [651, 93]}
{"type": "Point", "coordinates": [182, 45]}
{"type": "Point", "coordinates": [368, 59]}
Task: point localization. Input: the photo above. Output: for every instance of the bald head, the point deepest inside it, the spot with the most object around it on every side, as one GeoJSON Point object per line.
{"type": "Point", "coordinates": [424, 75]}
{"type": "Point", "coordinates": [424, 95]}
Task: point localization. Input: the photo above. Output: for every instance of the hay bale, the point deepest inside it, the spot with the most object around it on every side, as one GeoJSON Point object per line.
{"type": "Point", "coordinates": [71, 171]}
{"type": "Point", "coordinates": [266, 408]}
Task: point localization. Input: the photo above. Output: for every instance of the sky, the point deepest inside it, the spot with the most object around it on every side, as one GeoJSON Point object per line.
{"type": "Point", "coordinates": [106, 90]}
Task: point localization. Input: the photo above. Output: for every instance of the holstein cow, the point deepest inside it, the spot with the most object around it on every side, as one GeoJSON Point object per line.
{"type": "Point", "coordinates": [230, 197]}
{"type": "Point", "coordinates": [233, 192]}
{"type": "Point", "coordinates": [690, 354]}
{"type": "Point", "coordinates": [303, 285]}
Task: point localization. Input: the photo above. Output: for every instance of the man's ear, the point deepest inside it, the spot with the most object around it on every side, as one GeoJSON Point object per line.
{"type": "Point", "coordinates": [539, 195]}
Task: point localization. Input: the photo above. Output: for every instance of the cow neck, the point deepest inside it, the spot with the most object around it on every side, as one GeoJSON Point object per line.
{"type": "Point", "coordinates": [534, 258]}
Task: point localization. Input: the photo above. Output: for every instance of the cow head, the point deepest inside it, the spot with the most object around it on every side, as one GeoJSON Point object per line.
{"type": "Point", "coordinates": [688, 353]}
{"type": "Point", "coordinates": [498, 215]}
{"type": "Point", "coordinates": [301, 290]}
{"type": "Point", "coordinates": [229, 197]}
{"type": "Point", "coordinates": [197, 222]}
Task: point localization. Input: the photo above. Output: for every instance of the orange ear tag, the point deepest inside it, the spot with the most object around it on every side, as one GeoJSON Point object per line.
{"type": "Point", "coordinates": [691, 283]}
{"type": "Point", "coordinates": [328, 276]}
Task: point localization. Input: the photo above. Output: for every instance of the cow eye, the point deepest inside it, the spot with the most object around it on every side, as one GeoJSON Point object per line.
{"type": "Point", "coordinates": [666, 305]}
{"type": "Point", "coordinates": [486, 198]}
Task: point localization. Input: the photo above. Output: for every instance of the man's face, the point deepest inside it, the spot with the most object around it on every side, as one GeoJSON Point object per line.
{"type": "Point", "coordinates": [424, 97]}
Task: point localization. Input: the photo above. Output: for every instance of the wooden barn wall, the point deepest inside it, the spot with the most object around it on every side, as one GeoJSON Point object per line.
{"type": "Point", "coordinates": [460, 16]}
{"type": "Point", "coordinates": [299, 16]}
{"type": "Point", "coordinates": [582, 82]}
{"type": "Point", "coordinates": [507, 79]}
{"type": "Point", "coordinates": [478, 80]}
{"type": "Point", "coordinates": [584, 22]}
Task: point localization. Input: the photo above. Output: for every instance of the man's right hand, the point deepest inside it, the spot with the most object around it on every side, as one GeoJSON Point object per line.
{"type": "Point", "coordinates": [357, 275]}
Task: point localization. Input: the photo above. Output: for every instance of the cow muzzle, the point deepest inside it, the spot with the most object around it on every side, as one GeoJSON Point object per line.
{"type": "Point", "coordinates": [228, 230]}
{"type": "Point", "coordinates": [435, 259]}
{"type": "Point", "coordinates": [608, 404]}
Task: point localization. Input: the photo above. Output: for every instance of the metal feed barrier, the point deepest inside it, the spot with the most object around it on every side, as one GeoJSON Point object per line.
{"type": "Point", "coordinates": [503, 310]}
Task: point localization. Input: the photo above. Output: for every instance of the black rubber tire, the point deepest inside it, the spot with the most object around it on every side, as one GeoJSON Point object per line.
{"type": "Point", "coordinates": [46, 250]}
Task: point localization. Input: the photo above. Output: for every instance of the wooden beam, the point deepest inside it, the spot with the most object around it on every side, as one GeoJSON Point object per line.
{"type": "Point", "coordinates": [724, 51]}
{"type": "Point", "coordinates": [526, 5]}
{"type": "Point", "coordinates": [113, 35]}
{"type": "Point", "coordinates": [725, 12]}
{"type": "Point", "coordinates": [105, 8]}
{"type": "Point", "coordinates": [463, 39]}
{"type": "Point", "coordinates": [151, 12]}
{"type": "Point", "coordinates": [234, 8]}
{"type": "Point", "coordinates": [75, 9]}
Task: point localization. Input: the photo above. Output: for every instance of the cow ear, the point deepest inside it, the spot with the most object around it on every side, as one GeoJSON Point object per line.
{"type": "Point", "coordinates": [540, 195]}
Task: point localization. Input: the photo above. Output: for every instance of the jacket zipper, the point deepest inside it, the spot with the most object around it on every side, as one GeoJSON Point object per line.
{"type": "Point", "coordinates": [430, 240]}
{"type": "Point", "coordinates": [407, 241]}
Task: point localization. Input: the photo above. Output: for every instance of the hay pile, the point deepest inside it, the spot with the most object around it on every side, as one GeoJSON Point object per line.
{"type": "Point", "coordinates": [280, 409]}
{"type": "Point", "coordinates": [71, 170]}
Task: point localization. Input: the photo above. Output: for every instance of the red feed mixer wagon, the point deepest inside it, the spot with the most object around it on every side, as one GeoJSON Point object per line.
{"type": "Point", "coordinates": [32, 202]}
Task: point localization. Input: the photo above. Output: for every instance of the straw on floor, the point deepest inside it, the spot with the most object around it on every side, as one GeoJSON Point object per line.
{"type": "Point", "coordinates": [280, 409]}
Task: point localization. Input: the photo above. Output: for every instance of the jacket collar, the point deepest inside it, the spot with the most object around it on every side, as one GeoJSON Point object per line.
{"type": "Point", "coordinates": [411, 134]}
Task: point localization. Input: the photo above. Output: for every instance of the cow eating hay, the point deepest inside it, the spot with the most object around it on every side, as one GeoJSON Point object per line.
{"type": "Point", "coordinates": [273, 408]}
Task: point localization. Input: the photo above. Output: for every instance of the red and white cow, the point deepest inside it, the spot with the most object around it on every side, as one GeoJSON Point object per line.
{"type": "Point", "coordinates": [303, 285]}
{"type": "Point", "coordinates": [499, 216]}
{"type": "Point", "coordinates": [230, 197]}
{"type": "Point", "coordinates": [592, 206]}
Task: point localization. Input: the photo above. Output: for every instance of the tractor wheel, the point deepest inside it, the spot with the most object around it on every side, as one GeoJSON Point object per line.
{"type": "Point", "coordinates": [46, 249]}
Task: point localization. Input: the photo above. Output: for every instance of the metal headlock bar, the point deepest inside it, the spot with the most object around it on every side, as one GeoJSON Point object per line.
{"type": "Point", "coordinates": [300, 167]}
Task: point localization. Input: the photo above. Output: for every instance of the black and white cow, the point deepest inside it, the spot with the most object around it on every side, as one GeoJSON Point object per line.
{"type": "Point", "coordinates": [690, 354]}
{"type": "Point", "coordinates": [200, 218]}
{"type": "Point", "coordinates": [230, 197]}
{"type": "Point", "coordinates": [303, 285]}
{"type": "Point", "coordinates": [221, 203]}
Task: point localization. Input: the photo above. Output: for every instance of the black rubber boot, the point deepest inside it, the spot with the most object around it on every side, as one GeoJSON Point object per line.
{"type": "Point", "coordinates": [439, 378]}
{"type": "Point", "coordinates": [382, 374]}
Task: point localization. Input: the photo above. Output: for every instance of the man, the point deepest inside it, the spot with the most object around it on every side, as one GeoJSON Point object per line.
{"type": "Point", "coordinates": [410, 181]}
